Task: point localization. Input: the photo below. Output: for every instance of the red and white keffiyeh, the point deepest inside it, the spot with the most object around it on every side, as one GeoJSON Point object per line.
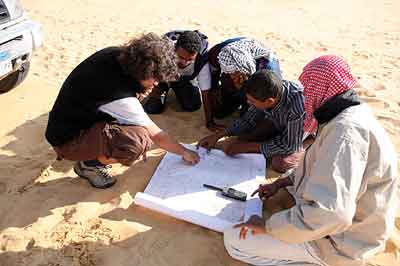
{"type": "Point", "coordinates": [323, 78]}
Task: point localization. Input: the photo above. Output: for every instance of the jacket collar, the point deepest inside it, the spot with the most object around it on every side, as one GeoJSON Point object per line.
{"type": "Point", "coordinates": [282, 100]}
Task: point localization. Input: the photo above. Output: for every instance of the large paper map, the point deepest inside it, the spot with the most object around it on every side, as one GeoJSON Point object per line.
{"type": "Point", "coordinates": [176, 189]}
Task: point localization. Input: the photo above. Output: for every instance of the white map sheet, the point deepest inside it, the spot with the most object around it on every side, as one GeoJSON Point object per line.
{"type": "Point", "coordinates": [176, 189]}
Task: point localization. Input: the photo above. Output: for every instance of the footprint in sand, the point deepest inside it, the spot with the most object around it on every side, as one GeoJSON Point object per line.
{"type": "Point", "coordinates": [394, 121]}
{"type": "Point", "coordinates": [380, 87]}
{"type": "Point", "coordinates": [377, 102]}
{"type": "Point", "coordinates": [287, 45]}
{"type": "Point", "coordinates": [69, 213]}
{"type": "Point", "coordinates": [322, 47]}
{"type": "Point", "coordinates": [3, 188]}
{"type": "Point", "coordinates": [362, 54]}
{"type": "Point", "coordinates": [367, 93]}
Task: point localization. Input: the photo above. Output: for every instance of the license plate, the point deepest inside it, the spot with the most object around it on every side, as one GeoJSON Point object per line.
{"type": "Point", "coordinates": [5, 64]}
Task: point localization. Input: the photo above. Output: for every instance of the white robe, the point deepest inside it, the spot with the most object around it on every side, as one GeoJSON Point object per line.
{"type": "Point", "coordinates": [345, 188]}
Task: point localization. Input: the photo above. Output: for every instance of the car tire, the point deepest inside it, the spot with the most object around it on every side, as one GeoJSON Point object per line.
{"type": "Point", "coordinates": [15, 78]}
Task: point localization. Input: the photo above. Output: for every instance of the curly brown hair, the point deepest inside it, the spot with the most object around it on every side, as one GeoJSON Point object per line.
{"type": "Point", "coordinates": [150, 56]}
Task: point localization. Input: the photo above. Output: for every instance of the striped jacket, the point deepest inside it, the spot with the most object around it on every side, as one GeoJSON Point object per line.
{"type": "Point", "coordinates": [288, 117]}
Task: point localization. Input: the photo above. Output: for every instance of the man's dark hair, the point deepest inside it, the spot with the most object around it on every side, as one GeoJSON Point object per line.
{"type": "Point", "coordinates": [263, 84]}
{"type": "Point", "coordinates": [149, 56]}
{"type": "Point", "coordinates": [190, 41]}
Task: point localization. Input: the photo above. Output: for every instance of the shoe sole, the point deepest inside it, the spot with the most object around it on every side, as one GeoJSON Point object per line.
{"type": "Point", "coordinates": [88, 179]}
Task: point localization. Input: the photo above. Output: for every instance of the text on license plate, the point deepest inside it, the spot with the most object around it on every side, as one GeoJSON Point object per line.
{"type": "Point", "coordinates": [5, 64]}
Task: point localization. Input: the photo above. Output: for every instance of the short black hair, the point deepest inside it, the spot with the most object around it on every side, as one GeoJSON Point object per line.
{"type": "Point", "coordinates": [190, 41]}
{"type": "Point", "coordinates": [263, 84]}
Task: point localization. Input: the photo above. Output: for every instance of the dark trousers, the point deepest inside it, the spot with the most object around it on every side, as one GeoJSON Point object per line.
{"type": "Point", "coordinates": [227, 98]}
{"type": "Point", "coordinates": [124, 143]}
{"type": "Point", "coordinates": [188, 96]}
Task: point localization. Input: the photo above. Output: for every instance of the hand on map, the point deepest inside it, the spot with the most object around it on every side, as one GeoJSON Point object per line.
{"type": "Point", "coordinates": [208, 142]}
{"type": "Point", "coordinates": [234, 148]}
{"type": "Point", "coordinates": [190, 157]}
{"type": "Point", "coordinates": [256, 224]}
{"type": "Point", "coordinates": [266, 191]}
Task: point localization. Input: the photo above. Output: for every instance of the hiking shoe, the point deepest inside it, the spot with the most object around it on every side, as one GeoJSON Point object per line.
{"type": "Point", "coordinates": [98, 176]}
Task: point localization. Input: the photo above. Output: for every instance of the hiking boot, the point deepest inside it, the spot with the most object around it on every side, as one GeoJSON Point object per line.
{"type": "Point", "coordinates": [156, 101]}
{"type": "Point", "coordinates": [98, 176]}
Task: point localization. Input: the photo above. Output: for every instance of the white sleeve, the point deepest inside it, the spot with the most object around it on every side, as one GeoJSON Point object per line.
{"type": "Point", "coordinates": [204, 78]}
{"type": "Point", "coordinates": [127, 111]}
{"type": "Point", "coordinates": [328, 202]}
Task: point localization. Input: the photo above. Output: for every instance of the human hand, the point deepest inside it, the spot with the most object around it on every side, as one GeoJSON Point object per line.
{"type": "Point", "coordinates": [208, 142]}
{"type": "Point", "coordinates": [266, 191]}
{"type": "Point", "coordinates": [234, 148]}
{"type": "Point", "coordinates": [190, 157]}
{"type": "Point", "coordinates": [256, 224]}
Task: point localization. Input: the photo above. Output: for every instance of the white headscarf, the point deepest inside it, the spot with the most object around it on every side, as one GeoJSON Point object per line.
{"type": "Point", "coordinates": [241, 56]}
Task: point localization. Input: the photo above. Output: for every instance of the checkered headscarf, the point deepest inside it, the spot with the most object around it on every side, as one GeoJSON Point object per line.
{"type": "Point", "coordinates": [323, 78]}
{"type": "Point", "coordinates": [241, 56]}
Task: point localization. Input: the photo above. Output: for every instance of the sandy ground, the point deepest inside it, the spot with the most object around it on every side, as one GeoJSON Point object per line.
{"type": "Point", "coordinates": [50, 217]}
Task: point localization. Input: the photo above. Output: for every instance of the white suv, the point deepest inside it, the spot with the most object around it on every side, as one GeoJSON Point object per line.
{"type": "Point", "coordinates": [19, 37]}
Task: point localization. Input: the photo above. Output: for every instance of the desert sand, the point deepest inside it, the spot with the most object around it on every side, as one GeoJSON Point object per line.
{"type": "Point", "coordinates": [49, 217]}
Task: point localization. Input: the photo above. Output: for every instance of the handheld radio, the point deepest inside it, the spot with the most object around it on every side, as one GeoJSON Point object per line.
{"type": "Point", "coordinates": [229, 192]}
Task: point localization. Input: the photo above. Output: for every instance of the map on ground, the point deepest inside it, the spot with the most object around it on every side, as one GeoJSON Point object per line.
{"type": "Point", "coordinates": [176, 188]}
